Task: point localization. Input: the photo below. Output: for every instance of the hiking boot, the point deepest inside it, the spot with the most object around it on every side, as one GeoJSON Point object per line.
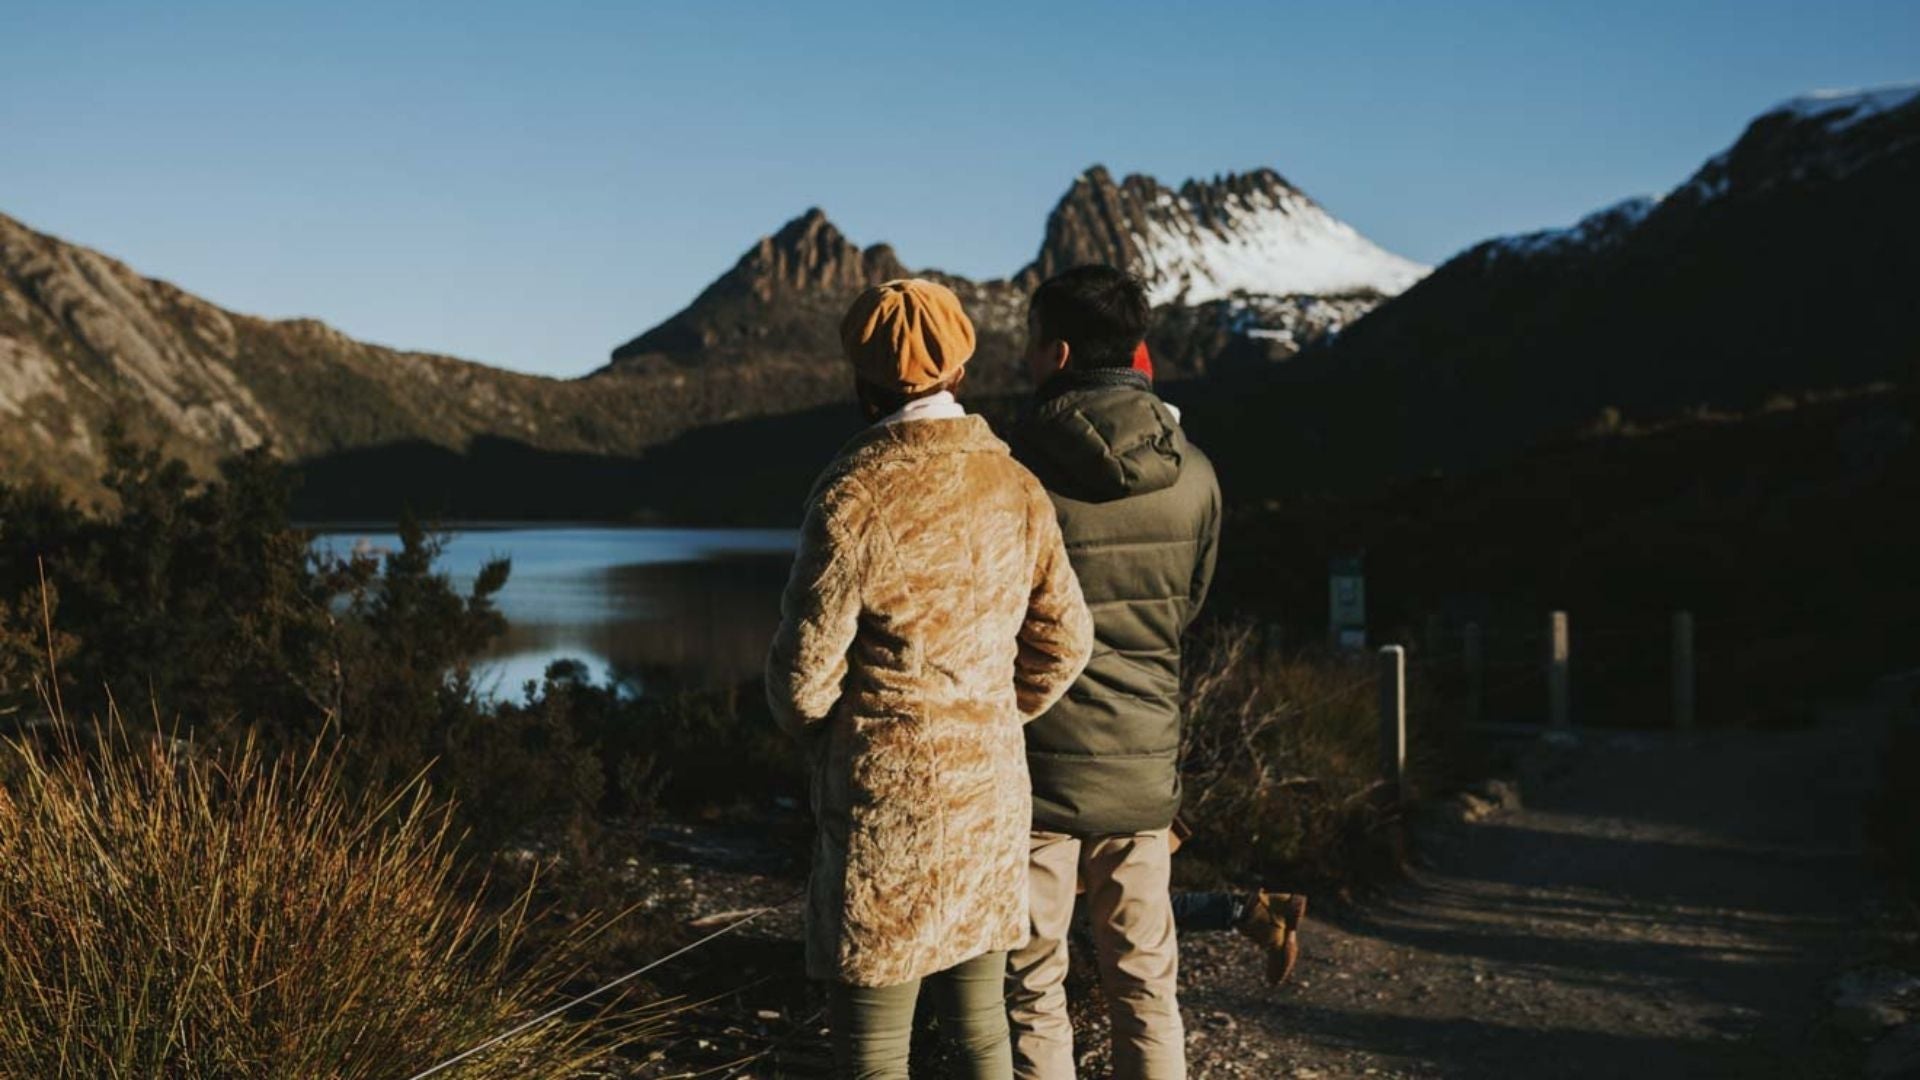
{"type": "Point", "coordinates": [1273, 922]}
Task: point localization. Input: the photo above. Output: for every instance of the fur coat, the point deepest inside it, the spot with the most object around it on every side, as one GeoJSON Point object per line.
{"type": "Point", "coordinates": [931, 612]}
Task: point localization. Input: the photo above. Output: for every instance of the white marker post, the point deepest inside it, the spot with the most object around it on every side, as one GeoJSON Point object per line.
{"type": "Point", "coordinates": [1559, 675]}
{"type": "Point", "coordinates": [1393, 720]}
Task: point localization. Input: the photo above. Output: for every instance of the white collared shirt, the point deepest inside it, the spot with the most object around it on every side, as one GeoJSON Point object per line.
{"type": "Point", "coordinates": [940, 406]}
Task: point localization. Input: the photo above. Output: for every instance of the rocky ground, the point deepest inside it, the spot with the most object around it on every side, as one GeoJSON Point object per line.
{"type": "Point", "coordinates": [1644, 905]}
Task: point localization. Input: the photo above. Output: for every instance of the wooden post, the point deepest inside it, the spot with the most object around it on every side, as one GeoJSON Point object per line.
{"type": "Point", "coordinates": [1559, 659]}
{"type": "Point", "coordinates": [1393, 719]}
{"type": "Point", "coordinates": [1473, 653]}
{"type": "Point", "coordinates": [1683, 670]}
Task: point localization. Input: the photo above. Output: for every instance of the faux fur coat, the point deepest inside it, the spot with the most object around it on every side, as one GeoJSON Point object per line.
{"type": "Point", "coordinates": [931, 612]}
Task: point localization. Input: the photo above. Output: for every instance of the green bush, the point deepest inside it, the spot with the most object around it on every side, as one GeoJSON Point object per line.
{"type": "Point", "coordinates": [202, 602]}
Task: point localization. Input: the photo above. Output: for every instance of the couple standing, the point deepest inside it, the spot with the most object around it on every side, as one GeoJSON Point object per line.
{"type": "Point", "coordinates": [980, 650]}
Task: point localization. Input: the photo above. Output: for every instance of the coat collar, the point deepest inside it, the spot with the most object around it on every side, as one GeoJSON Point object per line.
{"type": "Point", "coordinates": [921, 438]}
{"type": "Point", "coordinates": [940, 406]}
{"type": "Point", "coordinates": [1073, 380]}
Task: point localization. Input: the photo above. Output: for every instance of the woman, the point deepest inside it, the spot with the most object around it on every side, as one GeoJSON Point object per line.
{"type": "Point", "coordinates": [931, 612]}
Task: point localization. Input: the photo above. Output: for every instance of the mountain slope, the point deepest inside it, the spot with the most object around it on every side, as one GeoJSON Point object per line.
{"type": "Point", "coordinates": [1782, 269]}
{"type": "Point", "coordinates": [85, 340]}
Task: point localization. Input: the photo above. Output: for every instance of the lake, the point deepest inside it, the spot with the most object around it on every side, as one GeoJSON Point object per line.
{"type": "Point", "coordinates": [635, 604]}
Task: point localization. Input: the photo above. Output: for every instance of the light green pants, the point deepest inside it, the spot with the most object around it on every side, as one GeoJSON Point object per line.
{"type": "Point", "coordinates": [873, 1025]}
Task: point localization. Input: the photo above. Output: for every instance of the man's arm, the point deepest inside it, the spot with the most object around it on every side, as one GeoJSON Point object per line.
{"type": "Point", "coordinates": [1209, 553]}
{"type": "Point", "coordinates": [1057, 637]}
{"type": "Point", "coordinates": [819, 615]}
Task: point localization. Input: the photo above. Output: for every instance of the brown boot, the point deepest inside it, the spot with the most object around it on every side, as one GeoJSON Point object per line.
{"type": "Point", "coordinates": [1273, 922]}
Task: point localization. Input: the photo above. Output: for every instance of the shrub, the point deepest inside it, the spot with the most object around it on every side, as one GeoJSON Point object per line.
{"type": "Point", "coordinates": [1280, 766]}
{"type": "Point", "coordinates": [166, 912]}
{"type": "Point", "coordinates": [204, 599]}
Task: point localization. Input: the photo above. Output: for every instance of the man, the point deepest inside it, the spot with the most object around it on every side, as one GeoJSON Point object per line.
{"type": "Point", "coordinates": [931, 611]}
{"type": "Point", "coordinates": [1140, 512]}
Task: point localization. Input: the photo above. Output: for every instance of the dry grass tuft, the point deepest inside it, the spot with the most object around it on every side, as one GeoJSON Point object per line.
{"type": "Point", "coordinates": [164, 912]}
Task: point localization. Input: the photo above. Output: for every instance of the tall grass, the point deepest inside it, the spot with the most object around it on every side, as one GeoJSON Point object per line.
{"type": "Point", "coordinates": [165, 912]}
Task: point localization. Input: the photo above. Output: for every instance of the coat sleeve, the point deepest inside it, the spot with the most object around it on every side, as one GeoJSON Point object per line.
{"type": "Point", "coordinates": [819, 614]}
{"type": "Point", "coordinates": [1057, 637]}
{"type": "Point", "coordinates": [1209, 554]}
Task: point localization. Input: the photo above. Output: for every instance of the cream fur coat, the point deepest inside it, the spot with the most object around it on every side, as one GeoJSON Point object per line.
{"type": "Point", "coordinates": [930, 614]}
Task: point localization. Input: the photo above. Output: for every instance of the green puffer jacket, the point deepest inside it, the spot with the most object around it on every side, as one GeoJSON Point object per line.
{"type": "Point", "coordinates": [1140, 512]}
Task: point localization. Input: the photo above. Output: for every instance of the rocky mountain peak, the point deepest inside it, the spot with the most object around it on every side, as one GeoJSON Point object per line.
{"type": "Point", "coordinates": [809, 254]}
{"type": "Point", "coordinates": [772, 292]}
{"type": "Point", "coordinates": [1238, 233]}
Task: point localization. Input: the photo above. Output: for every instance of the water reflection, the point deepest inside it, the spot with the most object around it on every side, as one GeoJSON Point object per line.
{"type": "Point", "coordinates": [637, 605]}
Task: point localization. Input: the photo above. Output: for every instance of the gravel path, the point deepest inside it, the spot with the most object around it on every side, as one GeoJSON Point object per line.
{"type": "Point", "coordinates": [1658, 906]}
{"type": "Point", "coordinates": [1662, 906]}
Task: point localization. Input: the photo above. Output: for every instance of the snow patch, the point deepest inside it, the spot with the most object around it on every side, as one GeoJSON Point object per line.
{"type": "Point", "coordinates": [1842, 109]}
{"type": "Point", "coordinates": [1270, 243]}
{"type": "Point", "coordinates": [1602, 228]}
{"type": "Point", "coordinates": [1711, 182]}
{"type": "Point", "coordinates": [1288, 324]}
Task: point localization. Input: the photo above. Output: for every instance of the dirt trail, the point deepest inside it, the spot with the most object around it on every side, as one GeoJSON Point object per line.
{"type": "Point", "coordinates": [1659, 906]}
{"type": "Point", "coordinates": [1662, 906]}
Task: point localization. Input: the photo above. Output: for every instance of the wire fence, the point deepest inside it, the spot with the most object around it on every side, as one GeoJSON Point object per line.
{"type": "Point", "coordinates": [1625, 669]}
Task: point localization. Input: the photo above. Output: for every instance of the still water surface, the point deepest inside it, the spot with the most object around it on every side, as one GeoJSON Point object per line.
{"type": "Point", "coordinates": [634, 604]}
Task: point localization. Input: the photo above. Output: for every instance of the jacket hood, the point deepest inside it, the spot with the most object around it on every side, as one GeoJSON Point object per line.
{"type": "Point", "coordinates": [1103, 439]}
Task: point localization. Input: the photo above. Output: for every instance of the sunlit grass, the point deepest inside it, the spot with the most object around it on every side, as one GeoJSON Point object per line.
{"type": "Point", "coordinates": [166, 912]}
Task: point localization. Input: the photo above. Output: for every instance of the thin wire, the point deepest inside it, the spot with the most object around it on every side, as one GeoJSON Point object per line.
{"type": "Point", "coordinates": [799, 1029]}
{"type": "Point", "coordinates": [1355, 687]}
{"type": "Point", "coordinates": [589, 995]}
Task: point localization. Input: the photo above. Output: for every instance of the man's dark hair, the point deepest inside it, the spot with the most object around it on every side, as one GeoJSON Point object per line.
{"type": "Point", "coordinates": [1099, 311]}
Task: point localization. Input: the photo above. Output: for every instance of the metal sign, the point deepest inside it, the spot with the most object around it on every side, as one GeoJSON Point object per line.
{"type": "Point", "coordinates": [1347, 602]}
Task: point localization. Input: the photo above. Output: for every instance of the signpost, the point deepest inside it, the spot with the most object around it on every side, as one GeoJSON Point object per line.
{"type": "Point", "coordinates": [1347, 602]}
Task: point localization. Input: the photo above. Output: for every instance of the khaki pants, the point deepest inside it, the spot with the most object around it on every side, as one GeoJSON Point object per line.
{"type": "Point", "coordinates": [1131, 913]}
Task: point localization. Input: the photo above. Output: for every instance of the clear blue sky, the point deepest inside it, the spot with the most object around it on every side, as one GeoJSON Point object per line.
{"type": "Point", "coordinates": [531, 184]}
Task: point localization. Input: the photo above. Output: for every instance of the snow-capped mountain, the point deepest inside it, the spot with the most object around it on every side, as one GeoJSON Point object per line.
{"type": "Point", "coordinates": [1781, 271]}
{"type": "Point", "coordinates": [1246, 257]}
{"type": "Point", "coordinates": [1248, 233]}
{"type": "Point", "coordinates": [1821, 137]}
